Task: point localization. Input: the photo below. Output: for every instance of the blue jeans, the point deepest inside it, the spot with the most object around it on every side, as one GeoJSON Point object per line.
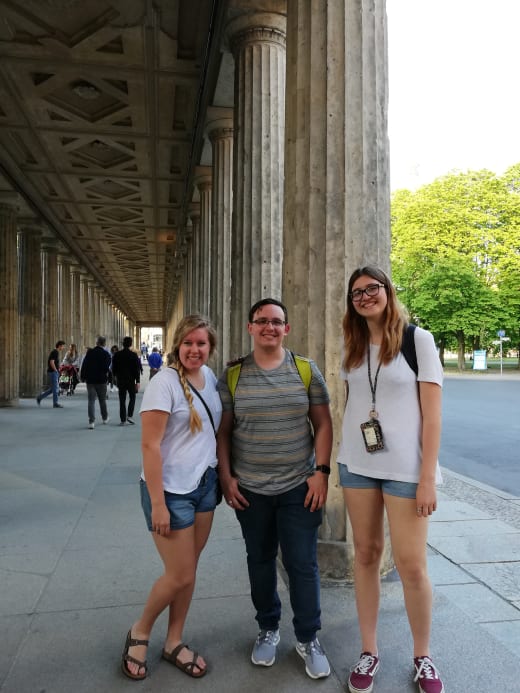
{"type": "Point", "coordinates": [282, 520]}
{"type": "Point", "coordinates": [52, 383]}
{"type": "Point", "coordinates": [97, 391]}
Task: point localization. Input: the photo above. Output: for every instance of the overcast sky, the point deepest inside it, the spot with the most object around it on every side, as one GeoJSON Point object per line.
{"type": "Point", "coordinates": [454, 87]}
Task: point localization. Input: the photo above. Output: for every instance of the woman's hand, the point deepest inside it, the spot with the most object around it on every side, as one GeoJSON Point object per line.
{"type": "Point", "coordinates": [426, 498]}
{"type": "Point", "coordinates": [161, 520]}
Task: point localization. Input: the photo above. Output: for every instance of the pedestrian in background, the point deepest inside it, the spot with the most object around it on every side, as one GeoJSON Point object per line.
{"type": "Point", "coordinates": [155, 362]}
{"type": "Point", "coordinates": [94, 372]}
{"type": "Point", "coordinates": [388, 460]}
{"type": "Point", "coordinates": [53, 374]}
{"type": "Point", "coordinates": [113, 350]}
{"type": "Point", "coordinates": [126, 371]}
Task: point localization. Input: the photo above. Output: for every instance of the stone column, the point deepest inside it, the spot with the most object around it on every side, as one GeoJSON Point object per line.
{"type": "Point", "coordinates": [257, 41]}
{"type": "Point", "coordinates": [203, 182]}
{"type": "Point", "coordinates": [219, 127]}
{"type": "Point", "coordinates": [75, 294]}
{"type": "Point", "coordinates": [65, 298]}
{"type": "Point", "coordinates": [30, 293]}
{"type": "Point", "coordinates": [336, 213]}
{"type": "Point", "coordinates": [188, 289]}
{"type": "Point", "coordinates": [51, 326]}
{"type": "Point", "coordinates": [85, 312]}
{"type": "Point", "coordinates": [9, 334]}
{"type": "Point", "coordinates": [95, 311]}
{"type": "Point", "coordinates": [195, 292]}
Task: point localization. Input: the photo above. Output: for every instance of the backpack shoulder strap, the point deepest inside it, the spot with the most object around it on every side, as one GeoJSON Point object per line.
{"type": "Point", "coordinates": [408, 348]}
{"type": "Point", "coordinates": [304, 369]}
{"type": "Point", "coordinates": [233, 374]}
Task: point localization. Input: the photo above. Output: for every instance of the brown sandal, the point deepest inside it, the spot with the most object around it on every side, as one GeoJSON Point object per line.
{"type": "Point", "coordinates": [186, 667]}
{"type": "Point", "coordinates": [125, 657]}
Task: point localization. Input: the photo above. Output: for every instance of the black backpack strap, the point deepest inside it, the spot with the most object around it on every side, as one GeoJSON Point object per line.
{"type": "Point", "coordinates": [408, 348]}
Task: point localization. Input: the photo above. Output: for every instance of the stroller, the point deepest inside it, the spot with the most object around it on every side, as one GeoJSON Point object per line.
{"type": "Point", "coordinates": [68, 380]}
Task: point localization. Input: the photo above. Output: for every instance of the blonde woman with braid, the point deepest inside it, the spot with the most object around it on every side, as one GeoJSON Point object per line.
{"type": "Point", "coordinates": [180, 413]}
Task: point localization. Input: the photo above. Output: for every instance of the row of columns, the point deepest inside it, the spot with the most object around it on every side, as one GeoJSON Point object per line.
{"type": "Point", "coordinates": [47, 297]}
{"type": "Point", "coordinates": [304, 198]}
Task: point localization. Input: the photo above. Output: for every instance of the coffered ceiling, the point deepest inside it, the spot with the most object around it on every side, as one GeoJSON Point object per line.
{"type": "Point", "coordinates": [101, 125]}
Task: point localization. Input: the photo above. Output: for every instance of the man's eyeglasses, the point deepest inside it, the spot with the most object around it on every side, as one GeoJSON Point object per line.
{"type": "Point", "coordinates": [370, 290]}
{"type": "Point", "coordinates": [275, 322]}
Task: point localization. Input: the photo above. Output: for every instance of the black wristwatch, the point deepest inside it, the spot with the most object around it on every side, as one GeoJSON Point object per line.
{"type": "Point", "coordinates": [322, 468]}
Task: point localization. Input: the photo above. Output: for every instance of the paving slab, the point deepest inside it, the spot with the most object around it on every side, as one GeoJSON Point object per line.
{"type": "Point", "coordinates": [502, 578]}
{"type": "Point", "coordinates": [479, 549]}
{"type": "Point", "coordinates": [465, 528]}
{"type": "Point", "coordinates": [479, 602]}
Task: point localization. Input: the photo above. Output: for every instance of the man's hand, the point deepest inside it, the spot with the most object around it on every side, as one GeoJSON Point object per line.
{"type": "Point", "coordinates": [232, 494]}
{"type": "Point", "coordinates": [317, 493]}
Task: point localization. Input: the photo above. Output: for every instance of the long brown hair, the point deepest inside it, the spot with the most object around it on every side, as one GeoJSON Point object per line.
{"type": "Point", "coordinates": [185, 326]}
{"type": "Point", "coordinates": [355, 329]}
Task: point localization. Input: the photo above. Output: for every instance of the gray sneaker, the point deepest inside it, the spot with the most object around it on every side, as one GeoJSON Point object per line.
{"type": "Point", "coordinates": [316, 662]}
{"type": "Point", "coordinates": [264, 649]}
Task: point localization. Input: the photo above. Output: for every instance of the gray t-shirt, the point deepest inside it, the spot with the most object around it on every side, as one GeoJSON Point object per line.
{"type": "Point", "coordinates": [272, 446]}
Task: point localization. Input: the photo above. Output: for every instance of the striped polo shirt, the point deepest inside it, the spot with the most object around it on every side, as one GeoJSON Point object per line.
{"type": "Point", "coordinates": [272, 447]}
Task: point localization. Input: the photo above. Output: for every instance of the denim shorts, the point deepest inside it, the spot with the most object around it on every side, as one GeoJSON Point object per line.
{"type": "Point", "coordinates": [183, 506]}
{"type": "Point", "coordinates": [403, 489]}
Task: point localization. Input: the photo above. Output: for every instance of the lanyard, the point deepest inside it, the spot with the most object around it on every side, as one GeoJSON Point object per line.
{"type": "Point", "coordinates": [373, 385]}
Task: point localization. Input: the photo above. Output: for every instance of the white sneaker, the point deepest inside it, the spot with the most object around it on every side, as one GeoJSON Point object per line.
{"type": "Point", "coordinates": [130, 421]}
{"type": "Point", "coordinates": [105, 421]}
{"type": "Point", "coordinates": [91, 425]}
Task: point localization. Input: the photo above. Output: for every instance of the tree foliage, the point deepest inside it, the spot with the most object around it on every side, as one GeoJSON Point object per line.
{"type": "Point", "coordinates": [456, 256]}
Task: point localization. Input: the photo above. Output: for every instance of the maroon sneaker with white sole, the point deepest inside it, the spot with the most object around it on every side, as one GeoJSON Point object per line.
{"type": "Point", "coordinates": [361, 680]}
{"type": "Point", "coordinates": [427, 676]}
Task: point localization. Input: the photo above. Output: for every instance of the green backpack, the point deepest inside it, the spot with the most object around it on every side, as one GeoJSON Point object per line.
{"type": "Point", "coordinates": [302, 364]}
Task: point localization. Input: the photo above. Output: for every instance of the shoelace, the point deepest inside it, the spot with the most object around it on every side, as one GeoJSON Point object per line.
{"type": "Point", "coordinates": [426, 670]}
{"type": "Point", "coordinates": [364, 664]}
{"type": "Point", "coordinates": [267, 636]}
{"type": "Point", "coordinates": [314, 647]}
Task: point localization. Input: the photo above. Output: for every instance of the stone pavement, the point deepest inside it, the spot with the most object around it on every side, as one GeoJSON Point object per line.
{"type": "Point", "coordinates": [76, 564]}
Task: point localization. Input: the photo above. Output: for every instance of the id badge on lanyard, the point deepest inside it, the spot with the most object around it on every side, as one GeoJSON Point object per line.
{"type": "Point", "coordinates": [371, 429]}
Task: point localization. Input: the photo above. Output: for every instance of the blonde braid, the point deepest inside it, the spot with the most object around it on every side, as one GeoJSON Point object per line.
{"type": "Point", "coordinates": [195, 420]}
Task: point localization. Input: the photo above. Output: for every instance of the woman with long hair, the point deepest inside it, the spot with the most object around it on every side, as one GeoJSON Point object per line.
{"type": "Point", "coordinates": [388, 460]}
{"type": "Point", "coordinates": [71, 362]}
{"type": "Point", "coordinates": [180, 413]}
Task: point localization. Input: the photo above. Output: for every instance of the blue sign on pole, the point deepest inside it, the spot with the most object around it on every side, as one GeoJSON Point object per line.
{"type": "Point", "coordinates": [501, 333]}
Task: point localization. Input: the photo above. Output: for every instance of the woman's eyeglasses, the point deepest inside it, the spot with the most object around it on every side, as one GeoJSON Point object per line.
{"type": "Point", "coordinates": [370, 290]}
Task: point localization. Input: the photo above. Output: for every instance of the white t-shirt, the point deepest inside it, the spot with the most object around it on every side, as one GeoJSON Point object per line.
{"type": "Point", "coordinates": [397, 403]}
{"type": "Point", "coordinates": [185, 455]}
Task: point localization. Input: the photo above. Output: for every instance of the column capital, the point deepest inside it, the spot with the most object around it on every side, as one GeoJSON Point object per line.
{"type": "Point", "coordinates": [63, 257]}
{"type": "Point", "coordinates": [257, 27]}
{"type": "Point", "coordinates": [203, 177]}
{"type": "Point", "coordinates": [219, 122]}
{"type": "Point", "coordinates": [9, 198]}
{"type": "Point", "coordinates": [51, 245]}
{"type": "Point", "coordinates": [29, 229]}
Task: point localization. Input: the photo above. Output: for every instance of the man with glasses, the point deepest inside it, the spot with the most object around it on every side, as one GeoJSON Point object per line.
{"type": "Point", "coordinates": [274, 445]}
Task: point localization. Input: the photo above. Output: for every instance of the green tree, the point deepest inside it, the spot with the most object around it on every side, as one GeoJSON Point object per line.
{"type": "Point", "coordinates": [456, 256]}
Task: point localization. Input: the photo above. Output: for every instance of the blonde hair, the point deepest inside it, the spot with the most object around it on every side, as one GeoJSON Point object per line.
{"type": "Point", "coordinates": [187, 325]}
{"type": "Point", "coordinates": [355, 330]}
